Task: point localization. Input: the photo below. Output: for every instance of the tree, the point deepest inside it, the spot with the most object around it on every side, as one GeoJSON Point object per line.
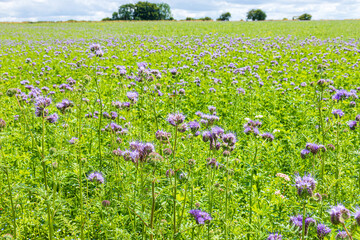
{"type": "Point", "coordinates": [164, 11]}
{"type": "Point", "coordinates": [146, 11]}
{"type": "Point", "coordinates": [305, 17]}
{"type": "Point", "coordinates": [115, 16]}
{"type": "Point", "coordinates": [126, 12]}
{"type": "Point", "coordinates": [224, 17]}
{"type": "Point", "coordinates": [256, 15]}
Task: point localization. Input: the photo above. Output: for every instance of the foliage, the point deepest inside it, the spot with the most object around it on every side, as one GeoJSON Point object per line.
{"type": "Point", "coordinates": [224, 17]}
{"type": "Point", "coordinates": [256, 15]}
{"type": "Point", "coordinates": [143, 11]}
{"type": "Point", "coordinates": [305, 17]}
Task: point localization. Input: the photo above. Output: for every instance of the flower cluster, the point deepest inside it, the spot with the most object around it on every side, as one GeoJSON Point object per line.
{"type": "Point", "coordinates": [96, 49]}
{"type": "Point", "coordinates": [274, 236]}
{"type": "Point", "coordinates": [311, 148]}
{"type": "Point", "coordinates": [305, 185]}
{"type": "Point", "coordinates": [298, 222]}
{"type": "Point", "coordinates": [339, 214]}
{"type": "Point", "coordinates": [322, 231]}
{"type": "Point", "coordinates": [338, 113]}
{"type": "Point", "coordinates": [176, 119]}
{"type": "Point", "coordinates": [200, 216]}
{"type": "Point", "coordinates": [252, 127]}
{"type": "Point", "coordinates": [343, 94]}
{"type": "Point", "coordinates": [64, 105]}
{"type": "Point", "coordinates": [96, 177]}
{"type": "Point", "coordinates": [138, 152]}
{"type": "Point", "coordinates": [40, 104]}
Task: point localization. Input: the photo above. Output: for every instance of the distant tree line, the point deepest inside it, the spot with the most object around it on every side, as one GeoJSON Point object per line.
{"type": "Point", "coordinates": [161, 11]}
{"type": "Point", "coordinates": [142, 11]}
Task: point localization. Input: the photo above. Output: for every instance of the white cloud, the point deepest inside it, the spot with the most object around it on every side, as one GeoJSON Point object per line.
{"type": "Point", "coordinates": [33, 10]}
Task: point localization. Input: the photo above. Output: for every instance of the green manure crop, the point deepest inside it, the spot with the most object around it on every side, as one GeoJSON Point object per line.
{"type": "Point", "coordinates": [180, 130]}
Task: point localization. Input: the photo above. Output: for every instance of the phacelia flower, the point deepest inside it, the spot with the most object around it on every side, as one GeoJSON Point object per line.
{"type": "Point", "coordinates": [52, 118]}
{"type": "Point", "coordinates": [176, 119]}
{"type": "Point", "coordinates": [322, 231]}
{"type": "Point", "coordinates": [200, 216]}
{"type": "Point", "coordinates": [96, 177]}
{"type": "Point", "coordinates": [339, 214]}
{"type": "Point", "coordinates": [342, 235]}
{"type": "Point", "coordinates": [268, 136]}
{"type": "Point", "coordinates": [194, 126]}
{"type": "Point", "coordinates": [132, 96]}
{"type": "Point", "coordinates": [357, 216]}
{"type": "Point", "coordinates": [305, 185]}
{"type": "Point", "coordinates": [274, 236]}
{"type": "Point", "coordinates": [352, 125]}
{"type": "Point", "coordinates": [338, 113]}
{"type": "Point", "coordinates": [298, 222]}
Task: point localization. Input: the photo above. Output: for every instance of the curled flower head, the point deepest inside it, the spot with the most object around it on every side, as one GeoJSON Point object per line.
{"type": "Point", "coordinates": [200, 216]}
{"type": "Point", "coordinates": [322, 231]}
{"type": "Point", "coordinates": [305, 185]}
{"type": "Point", "coordinates": [339, 214]}
{"type": "Point", "coordinates": [96, 177]}
{"type": "Point", "coordinates": [176, 119]}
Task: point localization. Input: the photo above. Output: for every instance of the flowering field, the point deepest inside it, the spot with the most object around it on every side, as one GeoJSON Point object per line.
{"type": "Point", "coordinates": [180, 130]}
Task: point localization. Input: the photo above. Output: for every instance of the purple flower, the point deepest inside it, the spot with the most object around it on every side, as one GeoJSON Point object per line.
{"type": "Point", "coordinates": [52, 118]}
{"type": "Point", "coordinates": [194, 126]}
{"type": "Point", "coordinates": [340, 95]}
{"type": "Point", "coordinates": [63, 105]}
{"type": "Point", "coordinates": [252, 127]}
{"type": "Point", "coordinates": [352, 125]}
{"type": "Point", "coordinates": [200, 216]}
{"type": "Point", "coordinates": [268, 136]}
{"type": "Point", "coordinates": [357, 216]}
{"type": "Point", "coordinates": [176, 119]}
{"type": "Point", "coordinates": [206, 136]}
{"type": "Point", "coordinates": [132, 96]}
{"type": "Point", "coordinates": [305, 185]}
{"type": "Point", "coordinates": [212, 109]}
{"type": "Point", "coordinates": [338, 113]}
{"type": "Point", "coordinates": [229, 138]}
{"type": "Point", "coordinates": [73, 140]}
{"type": "Point", "coordinates": [298, 222]}
{"type": "Point", "coordinates": [304, 153]}
{"type": "Point", "coordinates": [339, 214]}
{"type": "Point", "coordinates": [96, 177]}
{"type": "Point", "coordinates": [216, 132]}
{"type": "Point", "coordinates": [342, 235]}
{"type": "Point", "coordinates": [322, 231]}
{"type": "Point", "coordinates": [274, 236]}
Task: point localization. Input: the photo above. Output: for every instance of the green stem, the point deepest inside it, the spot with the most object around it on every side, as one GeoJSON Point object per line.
{"type": "Point", "coordinates": [303, 220]}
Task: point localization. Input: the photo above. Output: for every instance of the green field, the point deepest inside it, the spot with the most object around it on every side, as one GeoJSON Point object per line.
{"type": "Point", "coordinates": [117, 130]}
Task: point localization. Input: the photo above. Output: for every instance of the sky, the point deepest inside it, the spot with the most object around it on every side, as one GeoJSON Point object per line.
{"type": "Point", "coordinates": [62, 10]}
